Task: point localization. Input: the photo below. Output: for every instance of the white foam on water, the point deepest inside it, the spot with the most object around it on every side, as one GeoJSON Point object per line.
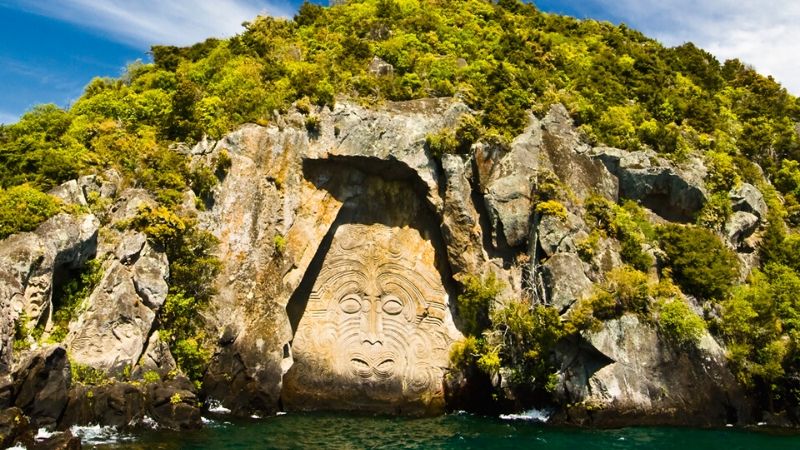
{"type": "Point", "coordinates": [96, 435]}
{"type": "Point", "coordinates": [215, 406]}
{"type": "Point", "coordinates": [148, 422]}
{"type": "Point", "coordinates": [43, 434]}
{"type": "Point", "coordinates": [280, 413]}
{"type": "Point", "coordinates": [17, 447]}
{"type": "Point", "coordinates": [255, 416]}
{"type": "Point", "coordinates": [534, 415]}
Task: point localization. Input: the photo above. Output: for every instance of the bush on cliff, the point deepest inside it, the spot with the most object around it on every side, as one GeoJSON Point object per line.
{"type": "Point", "coordinates": [761, 325]}
{"type": "Point", "coordinates": [193, 269]}
{"type": "Point", "coordinates": [700, 263]}
{"type": "Point", "coordinates": [23, 208]}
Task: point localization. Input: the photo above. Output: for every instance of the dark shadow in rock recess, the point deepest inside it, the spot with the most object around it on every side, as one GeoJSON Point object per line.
{"type": "Point", "coordinates": [386, 195]}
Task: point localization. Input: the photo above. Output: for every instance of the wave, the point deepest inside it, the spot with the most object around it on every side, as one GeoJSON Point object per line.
{"type": "Point", "coordinates": [97, 435]}
{"type": "Point", "coordinates": [533, 415]}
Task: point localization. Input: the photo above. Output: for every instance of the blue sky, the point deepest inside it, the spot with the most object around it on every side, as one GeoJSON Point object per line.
{"type": "Point", "coordinates": [50, 49]}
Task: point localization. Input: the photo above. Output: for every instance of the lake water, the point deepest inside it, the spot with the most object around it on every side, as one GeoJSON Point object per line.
{"type": "Point", "coordinates": [461, 431]}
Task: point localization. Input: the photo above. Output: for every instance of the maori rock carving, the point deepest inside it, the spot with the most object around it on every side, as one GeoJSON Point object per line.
{"type": "Point", "coordinates": [377, 329]}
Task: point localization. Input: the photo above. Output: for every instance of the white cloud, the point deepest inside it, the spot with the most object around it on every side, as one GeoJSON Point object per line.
{"type": "Point", "coordinates": [762, 33]}
{"type": "Point", "coordinates": [8, 118]}
{"type": "Point", "coordinates": [148, 22]}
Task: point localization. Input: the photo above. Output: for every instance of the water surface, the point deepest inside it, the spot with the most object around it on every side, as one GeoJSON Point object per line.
{"type": "Point", "coordinates": [459, 431]}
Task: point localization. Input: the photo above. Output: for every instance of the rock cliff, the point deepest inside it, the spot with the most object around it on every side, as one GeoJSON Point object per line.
{"type": "Point", "coordinates": [342, 247]}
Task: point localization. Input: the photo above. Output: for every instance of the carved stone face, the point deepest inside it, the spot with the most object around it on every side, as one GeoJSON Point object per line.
{"type": "Point", "coordinates": [377, 316]}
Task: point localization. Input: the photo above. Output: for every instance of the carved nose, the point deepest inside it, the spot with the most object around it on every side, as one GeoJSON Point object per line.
{"type": "Point", "coordinates": [372, 322]}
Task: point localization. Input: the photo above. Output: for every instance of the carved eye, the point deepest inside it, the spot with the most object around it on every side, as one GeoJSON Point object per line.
{"type": "Point", "coordinates": [350, 304]}
{"type": "Point", "coordinates": [392, 306]}
{"type": "Point", "coordinates": [386, 365]}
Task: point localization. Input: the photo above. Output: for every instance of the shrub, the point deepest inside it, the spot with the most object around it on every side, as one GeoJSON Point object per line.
{"type": "Point", "coordinates": [151, 376]}
{"type": "Point", "coordinates": [628, 224]}
{"type": "Point", "coordinates": [552, 208]}
{"type": "Point", "coordinates": [67, 300]}
{"type": "Point", "coordinates": [715, 212]}
{"type": "Point", "coordinates": [312, 124]}
{"type": "Point", "coordinates": [475, 302]}
{"type": "Point", "coordinates": [280, 244]}
{"type": "Point", "coordinates": [679, 323]}
{"type": "Point", "coordinates": [458, 141]}
{"type": "Point", "coordinates": [700, 263]}
{"type": "Point", "coordinates": [83, 374]}
{"type": "Point", "coordinates": [522, 339]}
{"type": "Point", "coordinates": [625, 290]}
{"type": "Point", "coordinates": [23, 208]}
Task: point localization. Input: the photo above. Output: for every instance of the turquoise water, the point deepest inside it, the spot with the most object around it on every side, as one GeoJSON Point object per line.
{"type": "Point", "coordinates": [319, 431]}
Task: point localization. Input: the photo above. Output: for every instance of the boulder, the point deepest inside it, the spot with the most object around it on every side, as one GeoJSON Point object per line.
{"type": "Point", "coordinates": [628, 374]}
{"type": "Point", "coordinates": [740, 226]}
{"type": "Point", "coordinates": [747, 198]}
{"type": "Point", "coordinates": [172, 404]}
{"type": "Point", "coordinates": [69, 193]}
{"type": "Point", "coordinates": [380, 67]}
{"type": "Point", "coordinates": [115, 404]}
{"type": "Point", "coordinates": [564, 280]}
{"type": "Point", "coordinates": [673, 192]}
{"type": "Point", "coordinates": [40, 385]}
{"type": "Point", "coordinates": [15, 428]}
{"type": "Point", "coordinates": [58, 441]}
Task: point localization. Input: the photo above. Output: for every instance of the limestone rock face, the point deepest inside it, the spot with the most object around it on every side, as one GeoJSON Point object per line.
{"type": "Point", "coordinates": [549, 147]}
{"type": "Point", "coordinates": [40, 384]}
{"type": "Point", "coordinates": [283, 194]}
{"type": "Point", "coordinates": [627, 373]}
{"type": "Point", "coordinates": [341, 248]}
{"type": "Point", "coordinates": [376, 331]}
{"type": "Point", "coordinates": [30, 263]}
{"type": "Point", "coordinates": [565, 281]}
{"type": "Point", "coordinates": [747, 198]}
{"type": "Point", "coordinates": [115, 327]}
{"type": "Point", "coordinates": [675, 193]}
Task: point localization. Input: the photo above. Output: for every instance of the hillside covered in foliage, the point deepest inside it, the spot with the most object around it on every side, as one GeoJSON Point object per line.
{"type": "Point", "coordinates": [502, 59]}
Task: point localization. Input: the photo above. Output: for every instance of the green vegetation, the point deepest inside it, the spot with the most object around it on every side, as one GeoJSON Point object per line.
{"type": "Point", "coordinates": [516, 336]}
{"type": "Point", "coordinates": [679, 323]}
{"type": "Point", "coordinates": [151, 376]}
{"type": "Point", "coordinates": [67, 300]}
{"type": "Point", "coordinates": [627, 223]}
{"type": "Point", "coordinates": [87, 375]}
{"type": "Point", "coordinates": [552, 208]}
{"type": "Point", "coordinates": [193, 268]}
{"type": "Point", "coordinates": [475, 302]}
{"type": "Point", "coordinates": [700, 263]}
{"type": "Point", "coordinates": [761, 324]}
{"type": "Point", "coordinates": [23, 208]}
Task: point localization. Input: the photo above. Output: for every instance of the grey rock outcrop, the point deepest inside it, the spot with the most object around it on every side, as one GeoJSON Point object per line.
{"type": "Point", "coordinates": [740, 226]}
{"type": "Point", "coordinates": [674, 192]}
{"type": "Point", "coordinates": [547, 147]}
{"type": "Point", "coordinates": [172, 404]}
{"type": "Point", "coordinates": [747, 198]}
{"type": "Point", "coordinates": [30, 265]}
{"type": "Point", "coordinates": [380, 67]}
{"type": "Point", "coordinates": [113, 330]}
{"type": "Point", "coordinates": [565, 281]}
{"type": "Point", "coordinates": [626, 372]}
{"type": "Point", "coordinates": [39, 385]}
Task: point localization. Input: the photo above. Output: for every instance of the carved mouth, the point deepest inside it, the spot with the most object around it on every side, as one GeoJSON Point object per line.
{"type": "Point", "coordinates": [366, 367]}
